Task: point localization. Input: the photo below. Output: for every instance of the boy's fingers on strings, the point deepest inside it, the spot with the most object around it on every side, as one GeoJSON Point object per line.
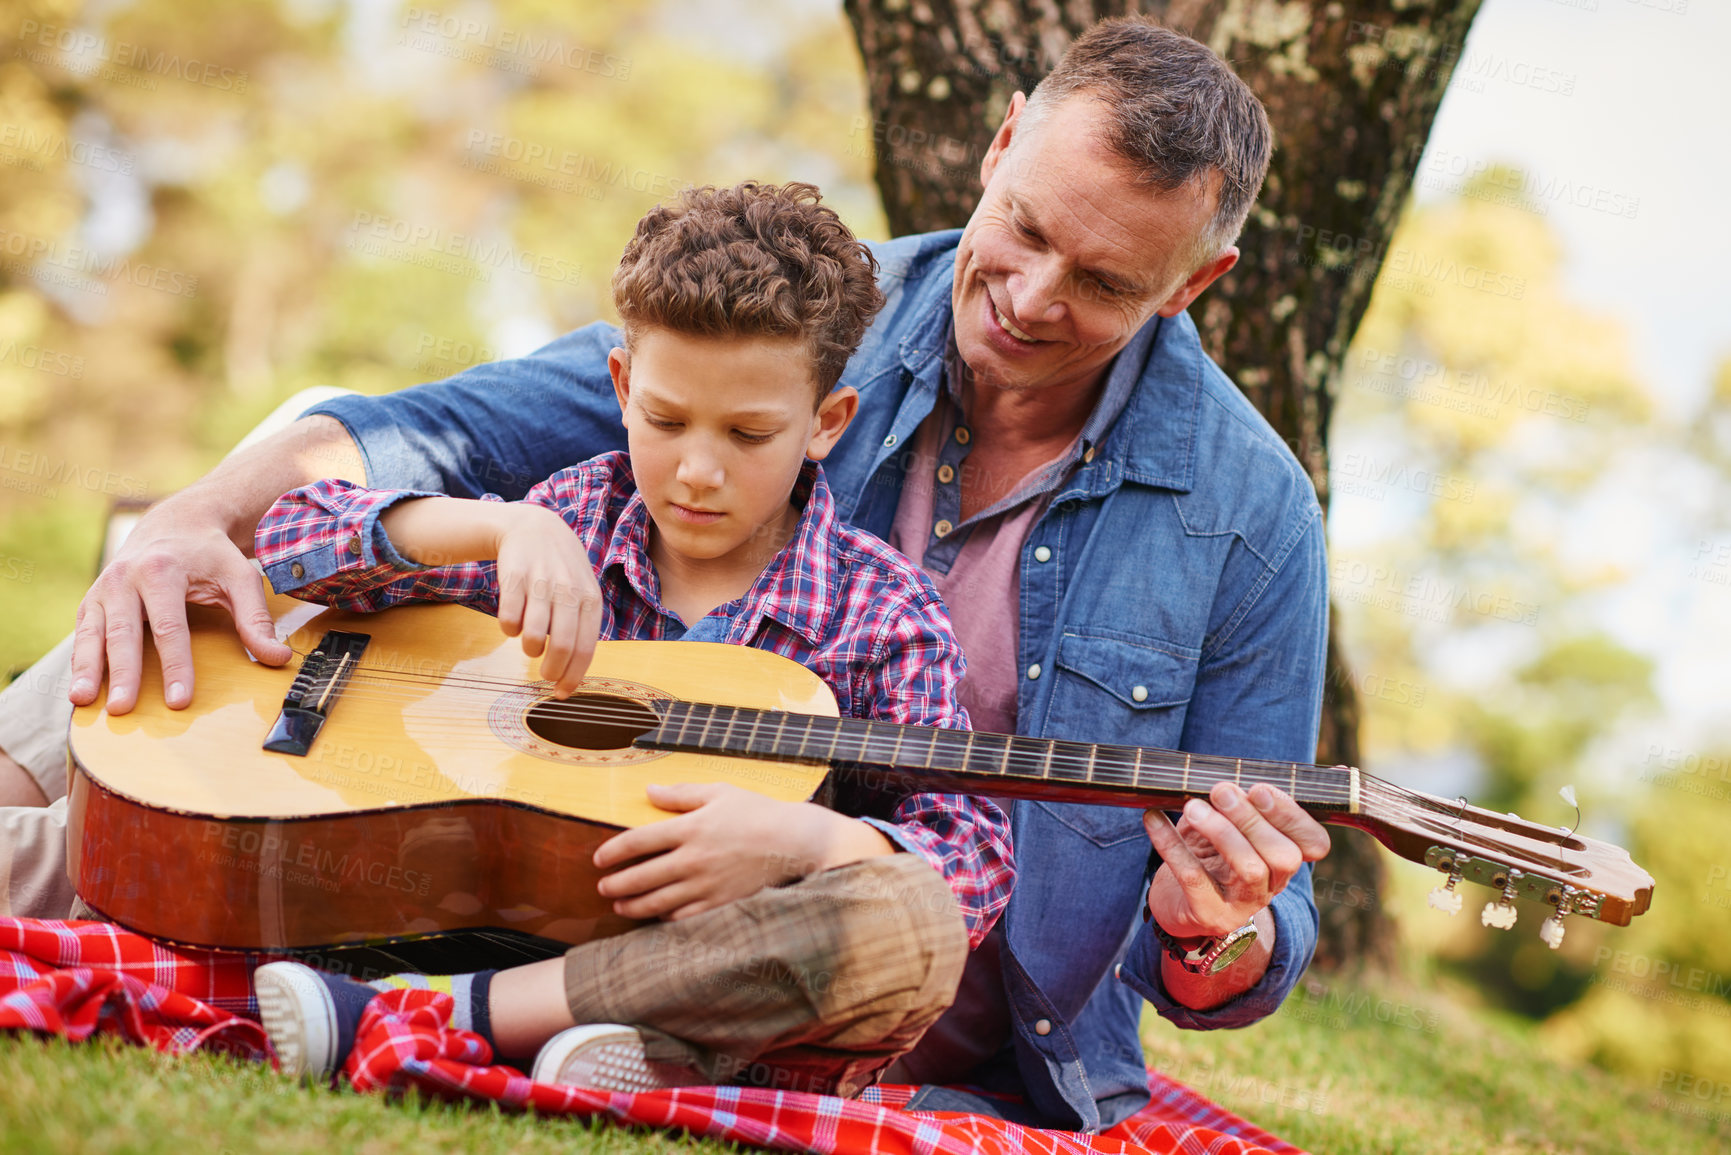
{"type": "Point", "coordinates": [588, 633]}
{"type": "Point", "coordinates": [558, 664]}
{"type": "Point", "coordinates": [536, 615]}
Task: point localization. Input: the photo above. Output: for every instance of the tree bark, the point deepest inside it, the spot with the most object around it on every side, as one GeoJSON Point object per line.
{"type": "Point", "coordinates": [1351, 88]}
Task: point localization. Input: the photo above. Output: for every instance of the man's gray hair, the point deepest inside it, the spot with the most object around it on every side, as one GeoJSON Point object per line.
{"type": "Point", "coordinates": [1176, 112]}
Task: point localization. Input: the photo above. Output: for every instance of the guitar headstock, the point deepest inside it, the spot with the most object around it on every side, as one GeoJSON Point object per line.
{"type": "Point", "coordinates": [1510, 855]}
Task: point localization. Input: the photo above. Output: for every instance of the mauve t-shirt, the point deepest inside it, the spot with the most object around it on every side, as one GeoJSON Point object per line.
{"type": "Point", "coordinates": [983, 586]}
{"type": "Point", "coordinates": [976, 567]}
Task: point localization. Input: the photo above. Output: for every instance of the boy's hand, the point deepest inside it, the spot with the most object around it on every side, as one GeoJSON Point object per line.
{"type": "Point", "coordinates": [727, 844]}
{"type": "Point", "coordinates": [548, 594]}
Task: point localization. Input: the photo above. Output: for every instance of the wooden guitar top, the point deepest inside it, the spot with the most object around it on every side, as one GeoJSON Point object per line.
{"type": "Point", "coordinates": [418, 728]}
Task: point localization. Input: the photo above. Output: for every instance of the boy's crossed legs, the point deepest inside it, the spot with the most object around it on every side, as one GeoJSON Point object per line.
{"type": "Point", "coordinates": [813, 986]}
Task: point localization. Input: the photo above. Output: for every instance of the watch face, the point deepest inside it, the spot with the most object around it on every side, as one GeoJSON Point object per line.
{"type": "Point", "coordinates": [1235, 945]}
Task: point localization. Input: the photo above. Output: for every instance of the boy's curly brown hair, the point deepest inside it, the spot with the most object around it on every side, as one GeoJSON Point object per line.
{"type": "Point", "coordinates": [754, 260]}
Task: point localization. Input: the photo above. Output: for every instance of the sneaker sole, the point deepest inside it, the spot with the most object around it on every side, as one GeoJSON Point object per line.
{"type": "Point", "coordinates": [603, 1057]}
{"type": "Point", "coordinates": [303, 1042]}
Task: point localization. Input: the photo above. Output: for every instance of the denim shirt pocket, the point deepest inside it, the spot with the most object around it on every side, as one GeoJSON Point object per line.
{"type": "Point", "coordinates": [1119, 689]}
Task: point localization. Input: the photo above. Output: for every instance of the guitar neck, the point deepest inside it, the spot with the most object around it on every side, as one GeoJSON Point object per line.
{"type": "Point", "coordinates": [1007, 765]}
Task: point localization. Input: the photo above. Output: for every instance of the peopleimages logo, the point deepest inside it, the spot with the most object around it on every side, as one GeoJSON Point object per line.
{"type": "Point", "coordinates": [1454, 172]}
{"type": "Point", "coordinates": [85, 268]}
{"type": "Point", "coordinates": [1420, 596]}
{"type": "Point", "coordinates": [507, 49]}
{"type": "Point", "coordinates": [81, 49]}
{"type": "Point", "coordinates": [1373, 472]}
{"type": "Point", "coordinates": [36, 143]}
{"type": "Point", "coordinates": [393, 238]}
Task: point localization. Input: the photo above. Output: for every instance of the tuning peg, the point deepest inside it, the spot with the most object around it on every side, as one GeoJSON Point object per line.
{"type": "Point", "coordinates": [1501, 913]}
{"type": "Point", "coordinates": [1551, 933]}
{"type": "Point", "coordinates": [1445, 898]}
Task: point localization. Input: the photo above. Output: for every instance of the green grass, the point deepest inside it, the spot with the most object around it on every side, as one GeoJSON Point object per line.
{"type": "Point", "coordinates": [1341, 1072]}
{"type": "Point", "coordinates": [1389, 1070]}
{"type": "Point", "coordinates": [57, 1098]}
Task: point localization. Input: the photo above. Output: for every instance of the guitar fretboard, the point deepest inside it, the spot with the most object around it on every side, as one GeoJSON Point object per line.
{"type": "Point", "coordinates": [989, 763]}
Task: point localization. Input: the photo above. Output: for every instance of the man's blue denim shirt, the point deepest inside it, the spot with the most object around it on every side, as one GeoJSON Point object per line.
{"type": "Point", "coordinates": [1179, 600]}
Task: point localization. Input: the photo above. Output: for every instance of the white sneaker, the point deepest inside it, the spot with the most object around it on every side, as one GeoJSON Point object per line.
{"type": "Point", "coordinates": [300, 1019]}
{"type": "Point", "coordinates": [607, 1057]}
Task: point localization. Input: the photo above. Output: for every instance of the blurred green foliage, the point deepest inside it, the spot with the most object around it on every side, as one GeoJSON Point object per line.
{"type": "Point", "coordinates": [1472, 582]}
{"type": "Point", "coordinates": [208, 206]}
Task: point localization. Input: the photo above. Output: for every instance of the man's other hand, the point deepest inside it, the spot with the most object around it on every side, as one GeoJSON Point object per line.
{"type": "Point", "coordinates": [1224, 862]}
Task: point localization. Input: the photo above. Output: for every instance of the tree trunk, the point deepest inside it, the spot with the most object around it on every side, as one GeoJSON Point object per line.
{"type": "Point", "coordinates": [1351, 95]}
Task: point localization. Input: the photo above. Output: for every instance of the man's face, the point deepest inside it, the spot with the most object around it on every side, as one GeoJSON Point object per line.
{"type": "Point", "coordinates": [718, 429]}
{"type": "Point", "coordinates": [1066, 257]}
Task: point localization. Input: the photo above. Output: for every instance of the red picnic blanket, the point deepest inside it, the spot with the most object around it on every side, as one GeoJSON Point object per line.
{"type": "Point", "coordinates": [81, 978]}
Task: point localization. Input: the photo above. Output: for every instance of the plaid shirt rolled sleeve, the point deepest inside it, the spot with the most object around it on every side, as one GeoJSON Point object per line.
{"type": "Point", "coordinates": [324, 543]}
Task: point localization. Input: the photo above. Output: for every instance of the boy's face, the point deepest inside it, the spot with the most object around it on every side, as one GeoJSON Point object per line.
{"type": "Point", "coordinates": [718, 428]}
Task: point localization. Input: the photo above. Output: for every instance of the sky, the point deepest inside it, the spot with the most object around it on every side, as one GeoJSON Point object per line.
{"type": "Point", "coordinates": [1624, 107]}
{"type": "Point", "coordinates": [1643, 119]}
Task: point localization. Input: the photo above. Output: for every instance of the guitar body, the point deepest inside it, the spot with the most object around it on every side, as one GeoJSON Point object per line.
{"type": "Point", "coordinates": [434, 799]}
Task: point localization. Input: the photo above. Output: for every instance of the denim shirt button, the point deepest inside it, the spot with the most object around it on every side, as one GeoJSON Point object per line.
{"type": "Point", "coordinates": [299, 570]}
{"type": "Point", "coordinates": [1140, 693]}
{"type": "Point", "coordinates": [1118, 972]}
{"type": "Point", "coordinates": [1033, 671]}
{"type": "Point", "coordinates": [1042, 553]}
{"type": "Point", "coordinates": [890, 441]}
{"type": "Point", "coordinates": [1043, 1027]}
{"type": "Point", "coordinates": [354, 546]}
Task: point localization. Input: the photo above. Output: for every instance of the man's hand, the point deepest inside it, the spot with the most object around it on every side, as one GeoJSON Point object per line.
{"type": "Point", "coordinates": [177, 553]}
{"type": "Point", "coordinates": [192, 548]}
{"type": "Point", "coordinates": [1224, 862]}
{"type": "Point", "coordinates": [726, 844]}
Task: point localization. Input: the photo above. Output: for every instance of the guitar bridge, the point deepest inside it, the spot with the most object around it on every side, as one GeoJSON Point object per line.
{"type": "Point", "coordinates": [315, 691]}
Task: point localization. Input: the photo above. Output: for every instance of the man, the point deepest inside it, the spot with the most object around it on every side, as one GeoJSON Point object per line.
{"type": "Point", "coordinates": [1039, 428]}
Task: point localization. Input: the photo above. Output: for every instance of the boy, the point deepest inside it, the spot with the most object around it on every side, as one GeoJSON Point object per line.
{"type": "Point", "coordinates": [795, 944]}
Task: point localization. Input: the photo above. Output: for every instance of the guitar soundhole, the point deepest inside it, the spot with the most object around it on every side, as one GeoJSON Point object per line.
{"type": "Point", "coordinates": [590, 721]}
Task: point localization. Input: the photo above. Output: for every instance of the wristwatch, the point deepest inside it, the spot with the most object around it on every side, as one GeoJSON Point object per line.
{"type": "Point", "coordinates": [1206, 956]}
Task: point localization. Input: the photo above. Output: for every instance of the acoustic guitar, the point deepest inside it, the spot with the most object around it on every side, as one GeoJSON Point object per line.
{"type": "Point", "coordinates": [410, 777]}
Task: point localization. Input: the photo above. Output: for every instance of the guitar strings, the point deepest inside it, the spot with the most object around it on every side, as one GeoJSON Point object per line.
{"type": "Point", "coordinates": [402, 685]}
{"type": "Point", "coordinates": [630, 713]}
{"type": "Point", "coordinates": [373, 683]}
{"type": "Point", "coordinates": [1316, 784]}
